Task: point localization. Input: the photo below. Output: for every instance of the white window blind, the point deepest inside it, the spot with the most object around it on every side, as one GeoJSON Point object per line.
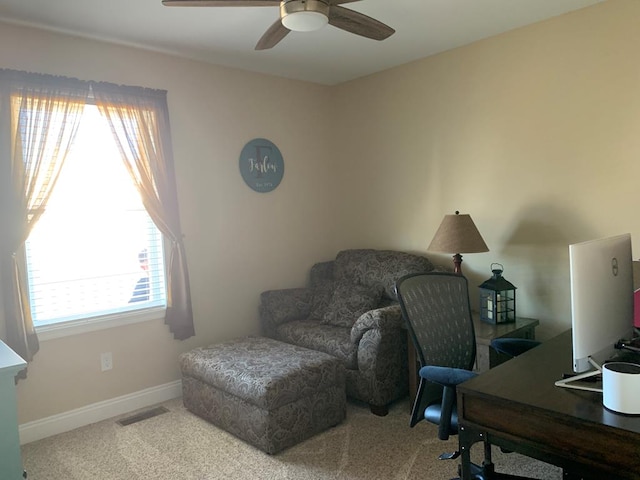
{"type": "Point", "coordinates": [94, 251]}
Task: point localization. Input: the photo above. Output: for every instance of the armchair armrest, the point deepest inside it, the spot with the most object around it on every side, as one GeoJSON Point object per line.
{"type": "Point", "coordinates": [385, 318]}
{"type": "Point", "coordinates": [285, 305]}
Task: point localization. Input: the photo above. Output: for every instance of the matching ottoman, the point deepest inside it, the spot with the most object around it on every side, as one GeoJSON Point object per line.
{"type": "Point", "coordinates": [268, 393]}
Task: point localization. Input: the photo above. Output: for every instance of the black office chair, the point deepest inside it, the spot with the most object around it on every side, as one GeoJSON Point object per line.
{"type": "Point", "coordinates": [436, 308]}
{"type": "Point", "coordinates": [512, 347]}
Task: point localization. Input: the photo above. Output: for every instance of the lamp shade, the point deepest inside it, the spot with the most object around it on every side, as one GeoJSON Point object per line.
{"type": "Point", "coordinates": [458, 234]}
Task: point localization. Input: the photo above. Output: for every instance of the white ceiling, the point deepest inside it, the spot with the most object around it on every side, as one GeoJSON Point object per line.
{"type": "Point", "coordinates": [227, 35]}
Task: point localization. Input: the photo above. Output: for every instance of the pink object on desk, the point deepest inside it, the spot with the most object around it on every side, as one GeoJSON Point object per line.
{"type": "Point", "coordinates": [636, 308]}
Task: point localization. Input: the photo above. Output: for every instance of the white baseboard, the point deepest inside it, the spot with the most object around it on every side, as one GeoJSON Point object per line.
{"type": "Point", "coordinates": [96, 412]}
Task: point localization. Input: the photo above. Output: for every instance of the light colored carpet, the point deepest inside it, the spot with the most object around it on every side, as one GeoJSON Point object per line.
{"type": "Point", "coordinates": [178, 445]}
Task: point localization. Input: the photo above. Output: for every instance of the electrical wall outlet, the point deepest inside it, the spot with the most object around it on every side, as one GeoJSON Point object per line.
{"type": "Point", "coordinates": [106, 361]}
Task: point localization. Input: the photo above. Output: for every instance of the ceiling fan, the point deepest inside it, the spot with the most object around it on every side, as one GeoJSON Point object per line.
{"type": "Point", "coordinates": [301, 16]}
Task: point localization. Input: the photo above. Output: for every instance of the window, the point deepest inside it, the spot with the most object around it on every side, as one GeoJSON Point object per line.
{"type": "Point", "coordinates": [66, 276]}
{"type": "Point", "coordinates": [95, 251]}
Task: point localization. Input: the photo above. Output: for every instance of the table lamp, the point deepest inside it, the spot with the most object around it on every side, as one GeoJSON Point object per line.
{"type": "Point", "coordinates": [457, 234]}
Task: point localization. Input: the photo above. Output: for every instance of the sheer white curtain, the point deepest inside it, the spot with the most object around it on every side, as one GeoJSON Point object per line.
{"type": "Point", "coordinates": [139, 120]}
{"type": "Point", "coordinates": [39, 117]}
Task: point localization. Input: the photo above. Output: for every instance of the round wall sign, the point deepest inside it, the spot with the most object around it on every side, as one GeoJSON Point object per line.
{"type": "Point", "coordinates": [261, 165]}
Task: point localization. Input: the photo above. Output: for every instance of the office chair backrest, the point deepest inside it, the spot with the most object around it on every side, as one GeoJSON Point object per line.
{"type": "Point", "coordinates": [437, 310]}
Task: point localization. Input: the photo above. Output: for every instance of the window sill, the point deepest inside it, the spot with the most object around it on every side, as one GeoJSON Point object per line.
{"type": "Point", "coordinates": [77, 327]}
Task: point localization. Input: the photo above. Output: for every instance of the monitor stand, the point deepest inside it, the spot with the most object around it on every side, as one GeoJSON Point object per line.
{"type": "Point", "coordinates": [570, 382]}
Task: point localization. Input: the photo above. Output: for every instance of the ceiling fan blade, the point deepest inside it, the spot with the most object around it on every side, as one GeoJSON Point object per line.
{"type": "Point", "coordinates": [359, 23]}
{"type": "Point", "coordinates": [272, 36]}
{"type": "Point", "coordinates": [220, 3]}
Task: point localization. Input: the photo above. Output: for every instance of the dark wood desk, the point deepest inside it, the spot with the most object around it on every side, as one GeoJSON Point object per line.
{"type": "Point", "coordinates": [519, 408]}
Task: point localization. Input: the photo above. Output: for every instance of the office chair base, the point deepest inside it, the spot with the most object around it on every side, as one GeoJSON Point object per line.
{"type": "Point", "coordinates": [449, 455]}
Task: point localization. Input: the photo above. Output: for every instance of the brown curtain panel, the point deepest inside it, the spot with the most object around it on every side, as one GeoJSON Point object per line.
{"type": "Point", "coordinates": [139, 120]}
{"type": "Point", "coordinates": [39, 117]}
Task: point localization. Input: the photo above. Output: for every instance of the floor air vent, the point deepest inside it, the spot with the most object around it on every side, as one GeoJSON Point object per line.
{"type": "Point", "coordinates": [138, 417]}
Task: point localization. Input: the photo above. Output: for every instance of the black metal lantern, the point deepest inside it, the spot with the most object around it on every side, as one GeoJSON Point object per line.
{"type": "Point", "coordinates": [497, 298]}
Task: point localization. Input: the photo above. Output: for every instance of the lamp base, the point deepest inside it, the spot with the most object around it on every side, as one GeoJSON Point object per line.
{"type": "Point", "coordinates": [457, 264]}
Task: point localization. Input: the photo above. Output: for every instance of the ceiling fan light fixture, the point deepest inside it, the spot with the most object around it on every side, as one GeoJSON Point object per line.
{"type": "Point", "coordinates": [304, 15]}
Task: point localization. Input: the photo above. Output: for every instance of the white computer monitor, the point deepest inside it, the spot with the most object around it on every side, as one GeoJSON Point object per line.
{"type": "Point", "coordinates": [601, 298]}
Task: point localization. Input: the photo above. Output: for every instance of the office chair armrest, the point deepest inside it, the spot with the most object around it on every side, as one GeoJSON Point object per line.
{"type": "Point", "coordinates": [513, 346]}
{"type": "Point", "coordinates": [385, 318]}
{"type": "Point", "coordinates": [446, 376]}
{"type": "Point", "coordinates": [444, 415]}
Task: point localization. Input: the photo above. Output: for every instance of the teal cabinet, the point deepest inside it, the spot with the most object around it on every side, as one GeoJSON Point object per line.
{"type": "Point", "coordinates": [10, 460]}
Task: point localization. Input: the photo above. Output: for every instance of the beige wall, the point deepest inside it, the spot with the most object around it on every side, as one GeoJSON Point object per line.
{"type": "Point", "coordinates": [238, 242]}
{"type": "Point", "coordinates": [534, 133]}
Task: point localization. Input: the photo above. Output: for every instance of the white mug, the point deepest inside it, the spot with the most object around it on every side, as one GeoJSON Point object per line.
{"type": "Point", "coordinates": [621, 387]}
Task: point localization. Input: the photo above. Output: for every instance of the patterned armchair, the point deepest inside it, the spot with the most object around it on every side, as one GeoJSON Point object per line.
{"type": "Point", "coordinates": [350, 310]}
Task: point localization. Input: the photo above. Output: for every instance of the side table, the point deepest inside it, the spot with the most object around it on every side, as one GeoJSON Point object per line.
{"type": "Point", "coordinates": [486, 357]}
